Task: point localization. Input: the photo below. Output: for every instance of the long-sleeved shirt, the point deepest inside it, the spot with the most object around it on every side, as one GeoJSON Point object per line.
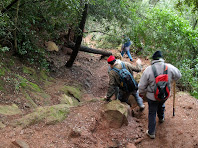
{"type": "Point", "coordinates": [147, 81]}
{"type": "Point", "coordinates": [114, 78]}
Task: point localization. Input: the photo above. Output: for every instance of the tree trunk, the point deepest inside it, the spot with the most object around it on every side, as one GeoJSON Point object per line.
{"type": "Point", "coordinates": [96, 51]}
{"type": "Point", "coordinates": [9, 6]}
{"type": "Point", "coordinates": [90, 50]}
{"type": "Point", "coordinates": [68, 35]}
{"type": "Point", "coordinates": [195, 25]}
{"type": "Point", "coordinates": [79, 38]}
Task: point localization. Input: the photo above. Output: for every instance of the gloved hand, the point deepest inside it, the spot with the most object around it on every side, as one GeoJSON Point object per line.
{"type": "Point", "coordinates": [141, 95]}
{"type": "Point", "coordinates": [107, 99]}
{"type": "Point", "coordinates": [139, 61]}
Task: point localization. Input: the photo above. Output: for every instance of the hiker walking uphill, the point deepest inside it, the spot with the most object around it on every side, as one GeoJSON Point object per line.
{"type": "Point", "coordinates": [126, 47]}
{"type": "Point", "coordinates": [155, 82]}
{"type": "Point", "coordinates": [121, 75]}
{"type": "Point", "coordinates": [118, 59]}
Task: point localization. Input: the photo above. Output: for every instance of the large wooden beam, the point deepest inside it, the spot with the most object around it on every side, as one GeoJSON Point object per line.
{"type": "Point", "coordinates": [90, 50]}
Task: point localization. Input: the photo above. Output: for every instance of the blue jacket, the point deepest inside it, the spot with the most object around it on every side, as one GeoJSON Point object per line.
{"type": "Point", "coordinates": [127, 43]}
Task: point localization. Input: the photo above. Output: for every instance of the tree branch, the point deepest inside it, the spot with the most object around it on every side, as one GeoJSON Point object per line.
{"type": "Point", "coordinates": [99, 32]}
{"type": "Point", "coordinates": [9, 6]}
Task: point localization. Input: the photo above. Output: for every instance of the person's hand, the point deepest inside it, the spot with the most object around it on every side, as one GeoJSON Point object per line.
{"type": "Point", "coordinates": [139, 62]}
{"type": "Point", "coordinates": [141, 95]}
{"type": "Point", "coordinates": [107, 99]}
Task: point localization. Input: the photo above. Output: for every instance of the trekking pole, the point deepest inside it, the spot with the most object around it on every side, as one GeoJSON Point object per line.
{"type": "Point", "coordinates": [174, 85]}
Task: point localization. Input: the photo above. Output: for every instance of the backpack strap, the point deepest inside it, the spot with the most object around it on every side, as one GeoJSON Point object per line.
{"type": "Point", "coordinates": [118, 70]}
{"type": "Point", "coordinates": [165, 69]}
{"type": "Point", "coordinates": [123, 65]}
{"type": "Point", "coordinates": [155, 71]}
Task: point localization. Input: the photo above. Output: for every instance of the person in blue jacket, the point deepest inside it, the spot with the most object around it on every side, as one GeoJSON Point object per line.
{"type": "Point", "coordinates": [126, 47]}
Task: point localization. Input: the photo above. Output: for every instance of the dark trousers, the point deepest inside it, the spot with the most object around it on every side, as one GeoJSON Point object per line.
{"type": "Point", "coordinates": [155, 107]}
{"type": "Point", "coordinates": [124, 96]}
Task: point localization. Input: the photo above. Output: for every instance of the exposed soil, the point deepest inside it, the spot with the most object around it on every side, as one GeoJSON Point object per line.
{"type": "Point", "coordinates": [84, 128]}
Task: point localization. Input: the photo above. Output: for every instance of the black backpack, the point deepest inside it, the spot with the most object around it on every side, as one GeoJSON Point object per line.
{"type": "Point", "coordinates": [162, 85]}
{"type": "Point", "coordinates": [127, 81]}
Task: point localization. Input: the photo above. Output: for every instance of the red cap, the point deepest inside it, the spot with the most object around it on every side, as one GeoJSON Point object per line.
{"type": "Point", "coordinates": [111, 59]}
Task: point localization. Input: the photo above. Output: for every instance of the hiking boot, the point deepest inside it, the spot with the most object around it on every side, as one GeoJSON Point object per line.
{"type": "Point", "coordinates": [142, 107]}
{"type": "Point", "coordinates": [151, 136]}
{"type": "Point", "coordinates": [161, 120]}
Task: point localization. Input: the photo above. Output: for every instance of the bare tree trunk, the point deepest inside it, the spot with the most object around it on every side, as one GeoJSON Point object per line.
{"type": "Point", "coordinates": [9, 6]}
{"type": "Point", "coordinates": [79, 38]}
{"type": "Point", "coordinates": [90, 50]}
{"type": "Point", "coordinates": [68, 34]}
{"type": "Point", "coordinates": [195, 25]}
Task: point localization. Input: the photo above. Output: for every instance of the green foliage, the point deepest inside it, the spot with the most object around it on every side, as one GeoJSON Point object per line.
{"type": "Point", "coordinates": [28, 70]}
{"type": "Point", "coordinates": [151, 25]}
{"type": "Point", "coordinates": [4, 49]}
{"type": "Point", "coordinates": [2, 86]}
{"type": "Point", "coordinates": [38, 21]}
{"type": "Point", "coordinates": [192, 3]}
{"type": "Point", "coordinates": [154, 27]}
{"type": "Point", "coordinates": [29, 99]}
{"type": "Point", "coordinates": [189, 70]}
{"type": "Point", "coordinates": [5, 32]}
{"type": "Point", "coordinates": [105, 40]}
{"type": "Point", "coordinates": [2, 71]}
{"type": "Point", "coordinates": [176, 38]}
{"type": "Point", "coordinates": [22, 82]}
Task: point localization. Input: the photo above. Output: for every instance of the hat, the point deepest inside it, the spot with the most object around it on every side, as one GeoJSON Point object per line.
{"type": "Point", "coordinates": [111, 59]}
{"type": "Point", "coordinates": [157, 55]}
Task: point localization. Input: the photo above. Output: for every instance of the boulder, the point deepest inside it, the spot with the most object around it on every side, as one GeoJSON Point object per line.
{"type": "Point", "coordinates": [9, 110]}
{"type": "Point", "coordinates": [20, 143]}
{"type": "Point", "coordinates": [51, 46]}
{"type": "Point", "coordinates": [116, 114]}
{"type": "Point", "coordinates": [75, 132]}
{"type": "Point", "coordinates": [2, 125]}
{"type": "Point", "coordinates": [65, 99]}
{"type": "Point", "coordinates": [47, 114]}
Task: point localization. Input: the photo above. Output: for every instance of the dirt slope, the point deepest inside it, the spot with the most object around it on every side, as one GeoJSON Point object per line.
{"type": "Point", "coordinates": [84, 127]}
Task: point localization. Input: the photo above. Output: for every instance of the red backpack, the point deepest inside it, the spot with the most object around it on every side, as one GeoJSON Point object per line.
{"type": "Point", "coordinates": [162, 85]}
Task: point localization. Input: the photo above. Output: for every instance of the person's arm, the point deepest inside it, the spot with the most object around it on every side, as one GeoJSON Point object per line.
{"type": "Point", "coordinates": [176, 74]}
{"type": "Point", "coordinates": [122, 47]}
{"type": "Point", "coordinates": [132, 68]}
{"type": "Point", "coordinates": [111, 87]}
{"type": "Point", "coordinates": [143, 84]}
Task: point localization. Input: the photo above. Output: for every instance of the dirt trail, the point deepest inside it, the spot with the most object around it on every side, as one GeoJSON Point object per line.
{"type": "Point", "coordinates": [84, 129]}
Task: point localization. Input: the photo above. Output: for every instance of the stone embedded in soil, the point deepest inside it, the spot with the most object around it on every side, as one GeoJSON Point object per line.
{"type": "Point", "coordinates": [130, 145]}
{"type": "Point", "coordinates": [76, 132]}
{"type": "Point", "coordinates": [20, 143]}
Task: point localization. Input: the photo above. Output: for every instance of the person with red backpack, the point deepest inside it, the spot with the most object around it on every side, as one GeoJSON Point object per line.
{"type": "Point", "coordinates": [155, 83]}
{"type": "Point", "coordinates": [121, 76]}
